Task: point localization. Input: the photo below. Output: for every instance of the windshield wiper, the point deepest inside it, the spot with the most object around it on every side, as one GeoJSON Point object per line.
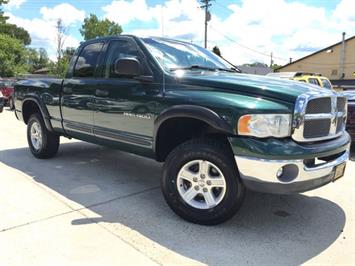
{"type": "Point", "coordinates": [204, 68]}
{"type": "Point", "coordinates": [232, 69]}
{"type": "Point", "coordinates": [193, 67]}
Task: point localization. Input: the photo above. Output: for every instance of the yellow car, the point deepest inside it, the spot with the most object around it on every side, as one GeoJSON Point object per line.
{"type": "Point", "coordinates": [313, 78]}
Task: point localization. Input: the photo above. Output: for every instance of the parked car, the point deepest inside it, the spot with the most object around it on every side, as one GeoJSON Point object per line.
{"type": "Point", "coordinates": [2, 102]}
{"type": "Point", "coordinates": [218, 131]}
{"type": "Point", "coordinates": [351, 113]}
{"type": "Point", "coordinates": [312, 78]}
{"type": "Point", "coordinates": [7, 89]}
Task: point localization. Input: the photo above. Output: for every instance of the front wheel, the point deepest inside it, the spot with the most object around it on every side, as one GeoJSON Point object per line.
{"type": "Point", "coordinates": [201, 183]}
{"type": "Point", "coordinates": [43, 143]}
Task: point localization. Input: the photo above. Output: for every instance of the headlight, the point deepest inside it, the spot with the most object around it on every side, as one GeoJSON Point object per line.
{"type": "Point", "coordinates": [265, 125]}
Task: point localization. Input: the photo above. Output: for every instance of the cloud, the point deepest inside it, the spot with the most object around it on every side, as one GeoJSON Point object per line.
{"type": "Point", "coordinates": [124, 11]}
{"type": "Point", "coordinates": [68, 13]}
{"type": "Point", "coordinates": [14, 4]}
{"type": "Point", "coordinates": [42, 30]}
{"type": "Point", "coordinates": [249, 31]}
{"type": "Point", "coordinates": [344, 11]}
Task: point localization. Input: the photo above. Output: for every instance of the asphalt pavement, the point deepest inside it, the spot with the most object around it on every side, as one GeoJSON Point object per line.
{"type": "Point", "coordinates": [93, 205]}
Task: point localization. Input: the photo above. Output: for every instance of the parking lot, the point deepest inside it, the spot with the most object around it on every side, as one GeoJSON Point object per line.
{"type": "Point", "coordinates": [92, 205]}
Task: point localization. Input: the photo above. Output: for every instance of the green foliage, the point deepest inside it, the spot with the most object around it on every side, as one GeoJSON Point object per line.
{"type": "Point", "coordinates": [16, 32]}
{"type": "Point", "coordinates": [37, 59]}
{"type": "Point", "coordinates": [60, 68]}
{"type": "Point", "coordinates": [93, 28]}
{"type": "Point", "coordinates": [2, 17]}
{"type": "Point", "coordinates": [275, 66]}
{"type": "Point", "coordinates": [12, 56]}
{"type": "Point", "coordinates": [11, 29]}
{"type": "Point", "coordinates": [256, 64]}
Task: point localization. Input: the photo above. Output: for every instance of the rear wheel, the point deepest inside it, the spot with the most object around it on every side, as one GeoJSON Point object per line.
{"type": "Point", "coordinates": [201, 183]}
{"type": "Point", "coordinates": [42, 143]}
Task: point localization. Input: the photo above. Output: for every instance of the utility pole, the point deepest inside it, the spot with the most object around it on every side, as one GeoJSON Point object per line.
{"type": "Point", "coordinates": [271, 60]}
{"type": "Point", "coordinates": [206, 5]}
{"type": "Point", "coordinates": [342, 57]}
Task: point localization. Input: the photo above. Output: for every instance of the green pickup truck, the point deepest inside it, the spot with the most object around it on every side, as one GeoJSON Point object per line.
{"type": "Point", "coordinates": [218, 131]}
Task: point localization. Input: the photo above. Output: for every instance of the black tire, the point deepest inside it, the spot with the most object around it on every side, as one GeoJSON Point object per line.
{"type": "Point", "coordinates": [50, 141]}
{"type": "Point", "coordinates": [220, 155]}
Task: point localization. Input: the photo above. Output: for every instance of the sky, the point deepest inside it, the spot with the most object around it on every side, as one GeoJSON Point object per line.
{"type": "Point", "coordinates": [246, 31]}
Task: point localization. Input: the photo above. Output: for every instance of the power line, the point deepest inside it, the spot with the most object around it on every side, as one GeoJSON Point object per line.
{"type": "Point", "coordinates": [245, 47]}
{"type": "Point", "coordinates": [225, 8]}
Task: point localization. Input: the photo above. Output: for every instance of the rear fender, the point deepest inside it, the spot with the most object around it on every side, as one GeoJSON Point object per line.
{"type": "Point", "coordinates": [41, 107]}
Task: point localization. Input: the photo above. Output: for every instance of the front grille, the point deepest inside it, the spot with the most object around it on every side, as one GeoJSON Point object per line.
{"type": "Point", "coordinates": [319, 118]}
{"type": "Point", "coordinates": [341, 104]}
{"type": "Point", "coordinates": [316, 128]}
{"type": "Point", "coordinates": [340, 124]}
{"type": "Point", "coordinates": [319, 105]}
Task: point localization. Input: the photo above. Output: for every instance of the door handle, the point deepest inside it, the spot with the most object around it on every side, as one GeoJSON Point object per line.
{"type": "Point", "coordinates": [101, 93]}
{"type": "Point", "coordinates": [67, 90]}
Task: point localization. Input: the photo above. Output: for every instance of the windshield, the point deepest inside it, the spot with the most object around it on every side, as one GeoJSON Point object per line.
{"type": "Point", "coordinates": [326, 84]}
{"type": "Point", "coordinates": [173, 55]}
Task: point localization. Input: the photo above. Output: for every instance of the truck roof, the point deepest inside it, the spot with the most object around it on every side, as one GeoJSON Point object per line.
{"type": "Point", "coordinates": [107, 38]}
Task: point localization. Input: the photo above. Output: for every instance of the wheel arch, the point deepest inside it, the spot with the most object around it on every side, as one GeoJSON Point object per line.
{"type": "Point", "coordinates": [31, 105]}
{"type": "Point", "coordinates": [190, 121]}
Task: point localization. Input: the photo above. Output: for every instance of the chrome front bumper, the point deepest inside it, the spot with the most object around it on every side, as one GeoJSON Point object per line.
{"type": "Point", "coordinates": [262, 175]}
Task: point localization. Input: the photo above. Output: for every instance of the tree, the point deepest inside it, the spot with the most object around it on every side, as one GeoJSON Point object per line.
{"type": "Point", "coordinates": [217, 51]}
{"type": "Point", "coordinates": [60, 68]}
{"type": "Point", "coordinates": [93, 28]}
{"type": "Point", "coordinates": [2, 17]}
{"type": "Point", "coordinates": [12, 56]}
{"type": "Point", "coordinates": [275, 66]}
{"type": "Point", "coordinates": [256, 64]}
{"type": "Point", "coordinates": [61, 32]}
{"type": "Point", "coordinates": [37, 59]}
{"type": "Point", "coordinates": [11, 29]}
{"type": "Point", "coordinates": [16, 32]}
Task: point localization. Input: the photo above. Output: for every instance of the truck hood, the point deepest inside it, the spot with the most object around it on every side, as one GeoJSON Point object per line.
{"type": "Point", "coordinates": [285, 90]}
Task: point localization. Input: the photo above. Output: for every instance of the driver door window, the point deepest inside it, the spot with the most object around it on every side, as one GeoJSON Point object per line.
{"type": "Point", "coordinates": [119, 49]}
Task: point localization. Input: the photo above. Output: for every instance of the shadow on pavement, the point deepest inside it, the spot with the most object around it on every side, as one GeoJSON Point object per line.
{"type": "Point", "coordinates": [124, 189]}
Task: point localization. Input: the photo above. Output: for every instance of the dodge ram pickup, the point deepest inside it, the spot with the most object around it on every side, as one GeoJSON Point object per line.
{"type": "Point", "coordinates": [218, 132]}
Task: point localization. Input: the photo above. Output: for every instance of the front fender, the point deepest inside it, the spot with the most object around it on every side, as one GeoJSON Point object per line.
{"type": "Point", "coordinates": [192, 111]}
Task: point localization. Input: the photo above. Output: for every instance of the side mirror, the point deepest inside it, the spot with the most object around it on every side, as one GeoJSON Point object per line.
{"type": "Point", "coordinates": [128, 67]}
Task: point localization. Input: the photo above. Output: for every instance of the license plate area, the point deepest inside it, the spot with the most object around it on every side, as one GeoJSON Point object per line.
{"type": "Point", "coordinates": [339, 171]}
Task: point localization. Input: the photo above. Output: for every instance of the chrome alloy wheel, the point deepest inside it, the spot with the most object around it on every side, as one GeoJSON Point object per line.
{"type": "Point", "coordinates": [36, 136]}
{"type": "Point", "coordinates": [201, 184]}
